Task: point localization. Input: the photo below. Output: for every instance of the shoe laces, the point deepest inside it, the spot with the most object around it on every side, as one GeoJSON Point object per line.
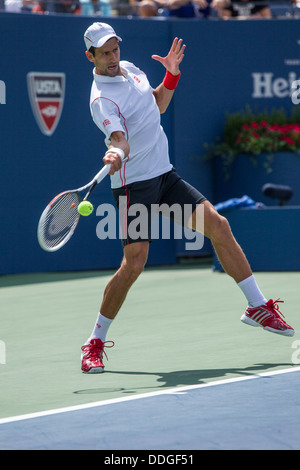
{"type": "Point", "coordinates": [273, 304]}
{"type": "Point", "coordinates": [95, 351]}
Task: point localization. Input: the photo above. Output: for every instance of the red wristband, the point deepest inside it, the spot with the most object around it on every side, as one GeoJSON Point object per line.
{"type": "Point", "coordinates": [170, 81]}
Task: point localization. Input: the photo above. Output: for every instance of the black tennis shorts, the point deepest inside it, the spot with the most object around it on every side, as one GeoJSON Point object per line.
{"type": "Point", "coordinates": [168, 195]}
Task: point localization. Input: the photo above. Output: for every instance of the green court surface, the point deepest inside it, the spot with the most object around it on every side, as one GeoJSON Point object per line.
{"type": "Point", "coordinates": [179, 326]}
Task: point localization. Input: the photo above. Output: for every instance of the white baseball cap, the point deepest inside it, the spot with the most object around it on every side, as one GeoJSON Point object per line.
{"type": "Point", "coordinates": [97, 35]}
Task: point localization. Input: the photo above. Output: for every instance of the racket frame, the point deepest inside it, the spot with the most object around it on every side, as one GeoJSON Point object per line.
{"type": "Point", "coordinates": [90, 186]}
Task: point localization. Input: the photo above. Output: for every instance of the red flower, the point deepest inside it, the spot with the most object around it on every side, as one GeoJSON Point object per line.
{"type": "Point", "coordinates": [274, 127]}
{"type": "Point", "coordinates": [286, 128]}
{"type": "Point", "coordinates": [254, 125]}
{"type": "Point", "coordinates": [288, 140]}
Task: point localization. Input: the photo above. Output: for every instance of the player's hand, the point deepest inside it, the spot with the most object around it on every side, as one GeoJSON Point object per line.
{"type": "Point", "coordinates": [114, 160]}
{"type": "Point", "coordinates": [174, 58]}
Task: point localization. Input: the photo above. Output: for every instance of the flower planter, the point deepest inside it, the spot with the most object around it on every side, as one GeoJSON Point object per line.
{"type": "Point", "coordinates": [248, 178]}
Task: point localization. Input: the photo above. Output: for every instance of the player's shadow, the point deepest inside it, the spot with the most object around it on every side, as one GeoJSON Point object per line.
{"type": "Point", "coordinates": [183, 378]}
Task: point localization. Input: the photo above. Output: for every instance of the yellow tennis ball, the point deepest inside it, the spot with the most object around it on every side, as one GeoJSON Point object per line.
{"type": "Point", "coordinates": [85, 208]}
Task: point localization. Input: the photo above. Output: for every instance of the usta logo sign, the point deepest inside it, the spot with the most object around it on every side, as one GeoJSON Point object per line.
{"type": "Point", "coordinates": [46, 92]}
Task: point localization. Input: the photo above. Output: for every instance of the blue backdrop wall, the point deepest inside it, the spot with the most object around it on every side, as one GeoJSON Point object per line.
{"type": "Point", "coordinates": [227, 65]}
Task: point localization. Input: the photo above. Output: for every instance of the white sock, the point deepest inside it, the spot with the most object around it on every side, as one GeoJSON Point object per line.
{"type": "Point", "coordinates": [101, 327]}
{"type": "Point", "coordinates": [252, 292]}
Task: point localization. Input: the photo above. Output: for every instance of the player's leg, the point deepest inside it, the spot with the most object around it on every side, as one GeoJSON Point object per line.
{"type": "Point", "coordinates": [134, 260]}
{"type": "Point", "coordinates": [133, 263]}
{"type": "Point", "coordinates": [216, 227]}
{"type": "Point", "coordinates": [229, 252]}
{"type": "Point", "coordinates": [231, 256]}
{"type": "Point", "coordinates": [234, 262]}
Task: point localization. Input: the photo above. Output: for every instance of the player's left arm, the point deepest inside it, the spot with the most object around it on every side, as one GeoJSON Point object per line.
{"type": "Point", "coordinates": [164, 92]}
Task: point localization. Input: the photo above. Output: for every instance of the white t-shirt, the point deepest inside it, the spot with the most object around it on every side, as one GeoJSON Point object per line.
{"type": "Point", "coordinates": [126, 103]}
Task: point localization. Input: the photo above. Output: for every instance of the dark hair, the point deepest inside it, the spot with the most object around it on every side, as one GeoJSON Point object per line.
{"type": "Point", "coordinates": [92, 50]}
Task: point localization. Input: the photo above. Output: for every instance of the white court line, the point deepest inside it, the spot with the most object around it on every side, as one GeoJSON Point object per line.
{"type": "Point", "coordinates": [169, 391]}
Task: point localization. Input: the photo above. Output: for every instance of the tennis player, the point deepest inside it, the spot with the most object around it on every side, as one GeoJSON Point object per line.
{"type": "Point", "coordinates": [127, 110]}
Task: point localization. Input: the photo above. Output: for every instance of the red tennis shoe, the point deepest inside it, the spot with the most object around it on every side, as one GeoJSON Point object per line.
{"type": "Point", "coordinates": [268, 317]}
{"type": "Point", "coordinates": [92, 356]}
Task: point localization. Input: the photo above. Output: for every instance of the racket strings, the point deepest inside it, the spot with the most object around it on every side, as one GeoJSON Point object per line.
{"type": "Point", "coordinates": [61, 219]}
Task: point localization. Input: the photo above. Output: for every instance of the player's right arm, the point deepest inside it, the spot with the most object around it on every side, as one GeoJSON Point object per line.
{"type": "Point", "coordinates": [117, 141]}
{"type": "Point", "coordinates": [106, 116]}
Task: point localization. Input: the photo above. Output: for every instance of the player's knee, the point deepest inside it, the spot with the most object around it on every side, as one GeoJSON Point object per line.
{"type": "Point", "coordinates": [220, 229]}
{"type": "Point", "coordinates": [134, 260]}
{"type": "Point", "coordinates": [136, 267]}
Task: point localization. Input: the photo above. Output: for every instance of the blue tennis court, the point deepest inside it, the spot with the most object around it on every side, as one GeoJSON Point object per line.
{"type": "Point", "coordinates": [213, 384]}
{"type": "Point", "coordinates": [254, 412]}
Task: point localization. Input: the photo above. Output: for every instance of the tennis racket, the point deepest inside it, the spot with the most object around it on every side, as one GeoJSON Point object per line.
{"type": "Point", "coordinates": [60, 218]}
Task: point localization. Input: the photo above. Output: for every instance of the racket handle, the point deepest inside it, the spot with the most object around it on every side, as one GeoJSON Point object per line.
{"type": "Point", "coordinates": [102, 173]}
